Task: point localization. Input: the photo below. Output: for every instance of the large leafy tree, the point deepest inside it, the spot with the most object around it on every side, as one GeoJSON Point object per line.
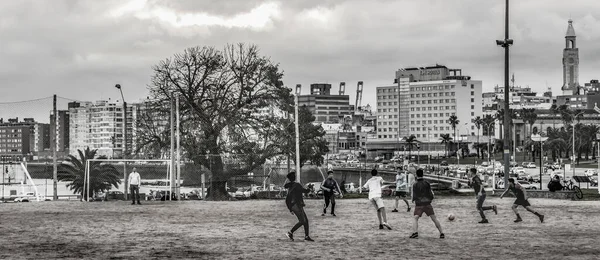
{"type": "Point", "coordinates": [153, 135]}
{"type": "Point", "coordinates": [313, 146]}
{"type": "Point", "coordinates": [231, 103]}
{"type": "Point", "coordinates": [102, 176]}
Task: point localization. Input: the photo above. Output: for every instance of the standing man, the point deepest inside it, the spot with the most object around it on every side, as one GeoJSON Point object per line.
{"type": "Point", "coordinates": [134, 186]}
{"type": "Point", "coordinates": [295, 203]}
{"type": "Point", "coordinates": [374, 186]}
{"type": "Point", "coordinates": [422, 195]}
{"type": "Point", "coordinates": [521, 195]}
{"type": "Point", "coordinates": [480, 193]}
{"type": "Point", "coordinates": [329, 187]}
{"type": "Point", "coordinates": [401, 189]}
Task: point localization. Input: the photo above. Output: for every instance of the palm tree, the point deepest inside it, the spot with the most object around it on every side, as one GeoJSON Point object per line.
{"type": "Point", "coordinates": [102, 176]}
{"type": "Point", "coordinates": [446, 140]}
{"type": "Point", "coordinates": [554, 111]}
{"type": "Point", "coordinates": [529, 117]}
{"type": "Point", "coordinates": [409, 143]}
{"type": "Point", "coordinates": [453, 121]}
{"type": "Point", "coordinates": [478, 121]}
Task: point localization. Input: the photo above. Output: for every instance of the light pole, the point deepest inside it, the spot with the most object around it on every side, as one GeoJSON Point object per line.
{"type": "Point", "coordinates": [298, 89]}
{"type": "Point", "coordinates": [506, 43]}
{"type": "Point", "coordinates": [124, 145]}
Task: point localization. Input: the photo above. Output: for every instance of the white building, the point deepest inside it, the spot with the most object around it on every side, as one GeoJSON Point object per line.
{"type": "Point", "coordinates": [422, 102]}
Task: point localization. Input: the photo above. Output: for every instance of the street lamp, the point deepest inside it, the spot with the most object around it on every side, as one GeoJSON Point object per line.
{"type": "Point", "coordinates": [428, 147]}
{"type": "Point", "coordinates": [506, 45]}
{"type": "Point", "coordinates": [124, 145]}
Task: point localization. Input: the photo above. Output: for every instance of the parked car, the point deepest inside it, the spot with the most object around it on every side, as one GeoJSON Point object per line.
{"type": "Point", "coordinates": [350, 187]}
{"type": "Point", "coordinates": [590, 173]}
{"type": "Point", "coordinates": [485, 164]}
{"type": "Point", "coordinates": [243, 193]}
{"type": "Point", "coordinates": [531, 165]}
{"type": "Point", "coordinates": [519, 170]}
{"type": "Point", "coordinates": [444, 163]}
{"type": "Point", "coordinates": [527, 185]}
{"type": "Point", "coordinates": [513, 164]}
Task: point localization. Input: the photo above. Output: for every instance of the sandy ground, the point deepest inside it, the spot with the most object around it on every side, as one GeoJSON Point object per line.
{"type": "Point", "coordinates": [255, 230]}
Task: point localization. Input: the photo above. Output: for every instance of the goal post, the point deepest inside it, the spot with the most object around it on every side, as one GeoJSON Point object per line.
{"type": "Point", "coordinates": [156, 176]}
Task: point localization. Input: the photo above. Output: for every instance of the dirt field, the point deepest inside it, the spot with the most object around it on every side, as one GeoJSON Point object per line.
{"type": "Point", "coordinates": [255, 230]}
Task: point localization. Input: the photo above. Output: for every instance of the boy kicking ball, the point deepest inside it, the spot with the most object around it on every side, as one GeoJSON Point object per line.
{"type": "Point", "coordinates": [521, 195]}
{"type": "Point", "coordinates": [374, 186]}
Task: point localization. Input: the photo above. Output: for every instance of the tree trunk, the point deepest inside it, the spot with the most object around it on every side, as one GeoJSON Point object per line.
{"type": "Point", "coordinates": [217, 190]}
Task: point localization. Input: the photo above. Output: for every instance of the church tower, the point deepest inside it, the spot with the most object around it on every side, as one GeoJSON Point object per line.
{"type": "Point", "coordinates": [570, 63]}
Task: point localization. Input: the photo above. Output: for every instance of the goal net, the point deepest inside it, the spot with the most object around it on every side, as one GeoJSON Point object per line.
{"type": "Point", "coordinates": [156, 179]}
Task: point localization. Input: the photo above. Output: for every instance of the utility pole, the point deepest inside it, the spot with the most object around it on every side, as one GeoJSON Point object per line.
{"type": "Point", "coordinates": [53, 146]}
{"type": "Point", "coordinates": [178, 137]}
{"type": "Point", "coordinates": [172, 167]}
{"type": "Point", "coordinates": [507, 120]}
{"type": "Point", "coordinates": [298, 89]}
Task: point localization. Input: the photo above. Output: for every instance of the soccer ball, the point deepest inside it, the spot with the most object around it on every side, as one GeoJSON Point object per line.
{"type": "Point", "coordinates": [451, 217]}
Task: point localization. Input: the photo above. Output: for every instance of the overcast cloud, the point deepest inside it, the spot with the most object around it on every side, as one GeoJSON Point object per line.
{"type": "Point", "coordinates": [80, 49]}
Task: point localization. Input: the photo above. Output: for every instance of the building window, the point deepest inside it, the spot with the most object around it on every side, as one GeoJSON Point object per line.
{"type": "Point", "coordinates": [472, 100]}
{"type": "Point", "coordinates": [472, 86]}
{"type": "Point", "coordinates": [472, 106]}
{"type": "Point", "coordinates": [412, 95]}
{"type": "Point", "coordinates": [453, 93]}
{"type": "Point", "coordinates": [472, 93]}
{"type": "Point", "coordinates": [472, 127]}
{"type": "Point", "coordinates": [451, 86]}
{"type": "Point", "coordinates": [472, 113]}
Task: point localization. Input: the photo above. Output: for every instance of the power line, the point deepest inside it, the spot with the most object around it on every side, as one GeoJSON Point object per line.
{"type": "Point", "coordinates": [24, 101]}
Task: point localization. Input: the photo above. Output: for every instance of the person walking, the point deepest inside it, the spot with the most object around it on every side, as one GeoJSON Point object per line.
{"type": "Point", "coordinates": [134, 186]}
{"type": "Point", "coordinates": [402, 187]}
{"type": "Point", "coordinates": [480, 195]}
{"type": "Point", "coordinates": [521, 200]}
{"type": "Point", "coordinates": [374, 186]}
{"type": "Point", "coordinates": [422, 196]}
{"type": "Point", "coordinates": [295, 203]}
{"type": "Point", "coordinates": [329, 187]}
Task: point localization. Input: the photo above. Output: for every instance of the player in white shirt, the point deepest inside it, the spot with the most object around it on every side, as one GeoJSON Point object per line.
{"type": "Point", "coordinates": [374, 186]}
{"type": "Point", "coordinates": [401, 190]}
{"type": "Point", "coordinates": [134, 186]}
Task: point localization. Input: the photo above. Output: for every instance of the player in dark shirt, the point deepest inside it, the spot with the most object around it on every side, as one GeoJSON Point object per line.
{"type": "Point", "coordinates": [480, 193]}
{"type": "Point", "coordinates": [422, 195]}
{"type": "Point", "coordinates": [329, 187]}
{"type": "Point", "coordinates": [295, 203]}
{"type": "Point", "coordinates": [521, 195]}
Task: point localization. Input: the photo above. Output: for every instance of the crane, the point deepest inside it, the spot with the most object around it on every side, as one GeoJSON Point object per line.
{"type": "Point", "coordinates": [359, 89]}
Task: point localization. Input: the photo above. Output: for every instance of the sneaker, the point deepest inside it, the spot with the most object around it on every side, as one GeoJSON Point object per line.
{"type": "Point", "coordinates": [323, 215]}
{"type": "Point", "coordinates": [408, 210]}
{"type": "Point", "coordinates": [518, 220]}
{"type": "Point", "coordinates": [380, 226]}
{"type": "Point", "coordinates": [495, 209]}
{"type": "Point", "coordinates": [308, 239]}
{"type": "Point", "coordinates": [139, 203]}
{"type": "Point", "coordinates": [442, 236]}
{"type": "Point", "coordinates": [333, 215]}
{"type": "Point", "coordinates": [387, 226]}
{"type": "Point", "coordinates": [132, 203]}
{"type": "Point", "coordinates": [394, 210]}
{"type": "Point", "coordinates": [415, 235]}
{"type": "Point", "coordinates": [290, 235]}
{"type": "Point", "coordinates": [483, 221]}
{"type": "Point", "coordinates": [542, 218]}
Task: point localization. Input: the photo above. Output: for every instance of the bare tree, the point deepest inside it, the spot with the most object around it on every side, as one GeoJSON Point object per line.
{"type": "Point", "coordinates": [229, 103]}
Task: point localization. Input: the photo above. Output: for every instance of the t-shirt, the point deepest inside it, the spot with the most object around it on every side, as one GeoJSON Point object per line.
{"type": "Point", "coordinates": [134, 178]}
{"type": "Point", "coordinates": [476, 181]}
{"type": "Point", "coordinates": [374, 186]}
{"type": "Point", "coordinates": [401, 182]}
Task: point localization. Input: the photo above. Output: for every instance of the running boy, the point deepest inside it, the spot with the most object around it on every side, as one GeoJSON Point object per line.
{"type": "Point", "coordinates": [329, 187]}
{"type": "Point", "coordinates": [422, 195]}
{"type": "Point", "coordinates": [521, 195]}
{"type": "Point", "coordinates": [374, 186]}
{"type": "Point", "coordinates": [480, 193]}
{"type": "Point", "coordinates": [401, 189]}
{"type": "Point", "coordinates": [295, 203]}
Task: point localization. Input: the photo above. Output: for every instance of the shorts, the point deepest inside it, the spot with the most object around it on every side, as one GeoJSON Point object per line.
{"type": "Point", "coordinates": [377, 202]}
{"type": "Point", "coordinates": [400, 193]}
{"type": "Point", "coordinates": [522, 202]}
{"type": "Point", "coordinates": [419, 210]}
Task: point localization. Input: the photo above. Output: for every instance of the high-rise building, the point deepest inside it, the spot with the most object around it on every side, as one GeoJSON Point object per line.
{"type": "Point", "coordinates": [16, 138]}
{"type": "Point", "coordinates": [422, 102]}
{"type": "Point", "coordinates": [326, 108]}
{"type": "Point", "coordinates": [99, 126]}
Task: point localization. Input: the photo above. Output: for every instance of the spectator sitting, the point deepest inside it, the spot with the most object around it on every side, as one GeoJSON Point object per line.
{"type": "Point", "coordinates": [554, 184]}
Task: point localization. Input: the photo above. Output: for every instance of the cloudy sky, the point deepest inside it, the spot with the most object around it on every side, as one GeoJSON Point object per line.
{"type": "Point", "coordinates": [79, 49]}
